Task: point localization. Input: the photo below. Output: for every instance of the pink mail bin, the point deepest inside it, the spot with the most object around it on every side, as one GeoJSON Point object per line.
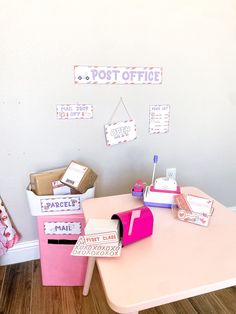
{"type": "Point", "coordinates": [57, 236]}
{"type": "Point", "coordinates": [135, 224]}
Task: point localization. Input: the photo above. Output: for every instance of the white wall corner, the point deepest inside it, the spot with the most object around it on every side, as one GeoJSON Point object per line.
{"type": "Point", "coordinates": [21, 252]}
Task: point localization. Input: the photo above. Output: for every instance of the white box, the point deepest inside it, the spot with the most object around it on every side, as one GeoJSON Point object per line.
{"type": "Point", "coordinates": [47, 205]}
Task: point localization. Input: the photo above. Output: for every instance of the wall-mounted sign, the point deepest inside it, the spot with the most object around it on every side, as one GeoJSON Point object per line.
{"type": "Point", "coordinates": [60, 204]}
{"type": "Point", "coordinates": [62, 227]}
{"type": "Point", "coordinates": [73, 111]}
{"type": "Point", "coordinates": [117, 75]}
{"type": "Point", "coordinates": [159, 118]}
{"type": "Point", "coordinates": [120, 132]}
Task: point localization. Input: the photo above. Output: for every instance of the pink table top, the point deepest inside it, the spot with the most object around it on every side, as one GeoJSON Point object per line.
{"type": "Point", "coordinates": [178, 261]}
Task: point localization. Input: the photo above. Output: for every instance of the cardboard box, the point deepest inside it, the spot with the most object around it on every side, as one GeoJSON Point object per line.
{"type": "Point", "coordinates": [79, 177]}
{"type": "Point", "coordinates": [41, 182]}
{"type": "Point", "coordinates": [57, 204]}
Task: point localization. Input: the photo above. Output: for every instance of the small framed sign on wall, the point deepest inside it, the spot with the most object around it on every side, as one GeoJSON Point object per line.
{"type": "Point", "coordinates": [159, 119]}
{"type": "Point", "coordinates": [74, 111]}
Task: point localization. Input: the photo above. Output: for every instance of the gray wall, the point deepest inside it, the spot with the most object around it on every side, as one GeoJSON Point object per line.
{"type": "Point", "coordinates": [194, 42]}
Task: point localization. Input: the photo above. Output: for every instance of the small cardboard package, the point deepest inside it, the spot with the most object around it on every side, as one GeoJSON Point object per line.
{"type": "Point", "coordinates": [79, 177]}
{"type": "Point", "coordinates": [42, 182]}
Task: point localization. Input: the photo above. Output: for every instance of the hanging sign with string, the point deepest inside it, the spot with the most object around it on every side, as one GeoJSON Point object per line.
{"type": "Point", "coordinates": [120, 132]}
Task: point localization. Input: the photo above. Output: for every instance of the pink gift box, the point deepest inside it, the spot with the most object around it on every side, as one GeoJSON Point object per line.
{"type": "Point", "coordinates": [57, 236]}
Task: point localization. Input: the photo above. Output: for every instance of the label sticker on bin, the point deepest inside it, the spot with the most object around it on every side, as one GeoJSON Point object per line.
{"type": "Point", "coordinates": [60, 204]}
{"type": "Point", "coordinates": [62, 227]}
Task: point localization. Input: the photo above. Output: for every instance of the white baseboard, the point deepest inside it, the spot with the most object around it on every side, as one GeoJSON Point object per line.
{"type": "Point", "coordinates": [21, 252]}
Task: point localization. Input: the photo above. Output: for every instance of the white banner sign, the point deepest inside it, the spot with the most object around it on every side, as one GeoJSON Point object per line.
{"type": "Point", "coordinates": [159, 116]}
{"type": "Point", "coordinates": [60, 204]}
{"type": "Point", "coordinates": [74, 111]}
{"type": "Point", "coordinates": [117, 75]}
{"type": "Point", "coordinates": [120, 132]}
{"type": "Point", "coordinates": [101, 250]}
{"type": "Point", "coordinates": [62, 228]}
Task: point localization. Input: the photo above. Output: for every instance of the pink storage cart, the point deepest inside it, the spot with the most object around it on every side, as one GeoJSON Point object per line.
{"type": "Point", "coordinates": [57, 236]}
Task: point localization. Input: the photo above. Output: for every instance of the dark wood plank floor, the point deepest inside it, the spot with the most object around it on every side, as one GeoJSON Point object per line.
{"type": "Point", "coordinates": [21, 292]}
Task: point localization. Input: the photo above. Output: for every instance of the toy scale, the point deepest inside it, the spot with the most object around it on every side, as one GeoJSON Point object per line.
{"type": "Point", "coordinates": [160, 193]}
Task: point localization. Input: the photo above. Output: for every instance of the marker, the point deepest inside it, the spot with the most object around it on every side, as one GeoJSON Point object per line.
{"type": "Point", "coordinates": [155, 159]}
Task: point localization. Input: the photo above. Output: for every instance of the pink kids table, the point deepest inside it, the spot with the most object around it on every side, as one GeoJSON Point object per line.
{"type": "Point", "coordinates": [178, 261]}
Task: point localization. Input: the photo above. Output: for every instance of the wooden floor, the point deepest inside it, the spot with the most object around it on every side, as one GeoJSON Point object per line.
{"type": "Point", "coordinates": [21, 292]}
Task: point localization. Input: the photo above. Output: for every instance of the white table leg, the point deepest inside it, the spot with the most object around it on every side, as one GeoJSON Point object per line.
{"type": "Point", "coordinates": [89, 274]}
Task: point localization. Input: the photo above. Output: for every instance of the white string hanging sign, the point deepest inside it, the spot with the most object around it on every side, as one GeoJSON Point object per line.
{"type": "Point", "coordinates": [122, 131]}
